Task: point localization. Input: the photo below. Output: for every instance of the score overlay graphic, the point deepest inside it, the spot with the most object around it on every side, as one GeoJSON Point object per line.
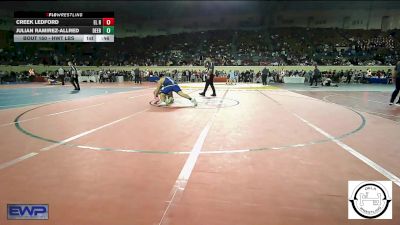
{"type": "Point", "coordinates": [64, 26]}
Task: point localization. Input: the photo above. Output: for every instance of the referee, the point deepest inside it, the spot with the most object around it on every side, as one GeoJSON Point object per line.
{"type": "Point", "coordinates": [396, 81]}
{"type": "Point", "coordinates": [74, 76]}
{"type": "Point", "coordinates": [210, 78]}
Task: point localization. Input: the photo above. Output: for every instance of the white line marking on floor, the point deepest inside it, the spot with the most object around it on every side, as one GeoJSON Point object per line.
{"type": "Point", "coordinates": [14, 161]}
{"type": "Point", "coordinates": [29, 104]}
{"type": "Point", "coordinates": [21, 121]}
{"type": "Point", "coordinates": [122, 150]}
{"type": "Point", "coordinates": [372, 112]}
{"type": "Point", "coordinates": [383, 103]}
{"type": "Point", "coordinates": [52, 102]}
{"type": "Point", "coordinates": [325, 98]}
{"type": "Point", "coordinates": [90, 131]}
{"type": "Point", "coordinates": [187, 168]}
{"type": "Point", "coordinates": [355, 153]}
{"type": "Point", "coordinates": [71, 110]}
{"type": "Point", "coordinates": [53, 114]}
{"type": "Point", "coordinates": [62, 112]}
{"type": "Point", "coordinates": [194, 154]}
{"type": "Point", "coordinates": [17, 160]}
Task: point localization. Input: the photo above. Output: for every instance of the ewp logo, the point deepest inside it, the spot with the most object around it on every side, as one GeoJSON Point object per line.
{"type": "Point", "coordinates": [27, 211]}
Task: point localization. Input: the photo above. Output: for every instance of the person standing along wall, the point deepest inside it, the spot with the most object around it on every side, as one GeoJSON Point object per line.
{"type": "Point", "coordinates": [264, 76]}
{"type": "Point", "coordinates": [349, 75]}
{"type": "Point", "coordinates": [315, 76]}
{"type": "Point", "coordinates": [61, 75]}
{"type": "Point", "coordinates": [137, 75]}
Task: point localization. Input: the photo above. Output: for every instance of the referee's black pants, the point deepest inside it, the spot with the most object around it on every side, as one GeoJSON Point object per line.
{"type": "Point", "coordinates": [75, 82]}
{"type": "Point", "coordinates": [396, 91]}
{"type": "Point", "coordinates": [209, 82]}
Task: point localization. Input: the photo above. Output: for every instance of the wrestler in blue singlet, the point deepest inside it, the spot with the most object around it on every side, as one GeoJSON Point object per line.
{"type": "Point", "coordinates": [169, 85]}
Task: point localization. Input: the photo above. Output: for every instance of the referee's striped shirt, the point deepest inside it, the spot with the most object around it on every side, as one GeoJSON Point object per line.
{"type": "Point", "coordinates": [74, 71]}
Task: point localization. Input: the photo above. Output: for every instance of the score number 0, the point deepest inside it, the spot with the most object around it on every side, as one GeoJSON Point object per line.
{"type": "Point", "coordinates": [108, 25]}
{"type": "Point", "coordinates": [108, 21]}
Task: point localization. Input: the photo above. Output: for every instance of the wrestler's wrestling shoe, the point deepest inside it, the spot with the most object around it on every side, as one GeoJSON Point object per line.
{"type": "Point", "coordinates": [169, 101]}
{"type": "Point", "coordinates": [194, 101]}
{"type": "Point", "coordinates": [162, 104]}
